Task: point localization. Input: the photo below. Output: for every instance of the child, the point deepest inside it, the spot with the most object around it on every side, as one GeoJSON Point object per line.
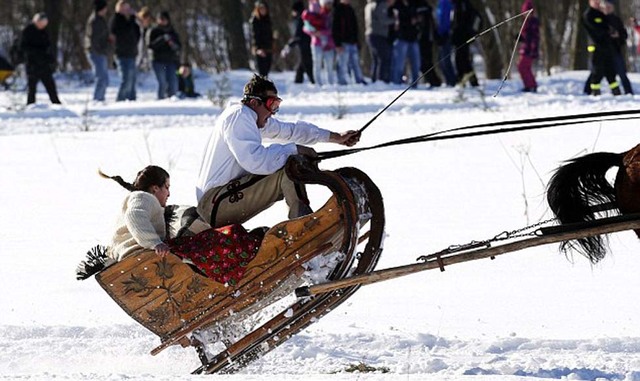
{"type": "Point", "coordinates": [186, 87]}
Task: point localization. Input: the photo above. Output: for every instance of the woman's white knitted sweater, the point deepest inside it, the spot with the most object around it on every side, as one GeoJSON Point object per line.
{"type": "Point", "coordinates": [140, 226]}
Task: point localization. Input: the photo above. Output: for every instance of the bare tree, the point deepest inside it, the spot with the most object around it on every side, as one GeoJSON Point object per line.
{"type": "Point", "coordinates": [233, 22]}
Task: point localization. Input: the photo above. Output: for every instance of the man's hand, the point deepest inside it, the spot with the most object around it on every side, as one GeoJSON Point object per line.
{"type": "Point", "coordinates": [307, 151]}
{"type": "Point", "coordinates": [162, 249]}
{"type": "Point", "coordinates": [349, 138]}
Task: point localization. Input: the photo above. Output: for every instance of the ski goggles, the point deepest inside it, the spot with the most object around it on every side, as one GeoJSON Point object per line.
{"type": "Point", "coordinates": [272, 103]}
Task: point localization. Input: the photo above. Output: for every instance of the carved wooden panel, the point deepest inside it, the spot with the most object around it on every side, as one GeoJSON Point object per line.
{"type": "Point", "coordinates": [166, 295]}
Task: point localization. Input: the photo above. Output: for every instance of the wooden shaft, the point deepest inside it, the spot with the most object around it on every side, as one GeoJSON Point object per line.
{"type": "Point", "coordinates": [396, 272]}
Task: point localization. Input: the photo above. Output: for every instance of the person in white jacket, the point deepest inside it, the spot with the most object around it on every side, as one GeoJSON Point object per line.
{"type": "Point", "coordinates": [141, 224]}
{"type": "Point", "coordinates": [239, 176]}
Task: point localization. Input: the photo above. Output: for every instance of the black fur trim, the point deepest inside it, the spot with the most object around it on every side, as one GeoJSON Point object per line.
{"type": "Point", "coordinates": [95, 262]}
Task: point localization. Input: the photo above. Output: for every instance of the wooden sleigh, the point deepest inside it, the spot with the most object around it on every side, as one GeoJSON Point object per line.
{"type": "Point", "coordinates": [180, 305]}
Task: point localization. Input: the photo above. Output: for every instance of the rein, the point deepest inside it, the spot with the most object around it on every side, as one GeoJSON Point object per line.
{"type": "Point", "coordinates": [521, 125]}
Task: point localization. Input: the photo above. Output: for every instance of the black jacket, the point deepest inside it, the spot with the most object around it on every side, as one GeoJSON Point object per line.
{"type": "Point", "coordinates": [96, 38]}
{"type": "Point", "coordinates": [37, 48]}
{"type": "Point", "coordinates": [299, 38]}
{"type": "Point", "coordinates": [407, 21]}
{"type": "Point", "coordinates": [262, 33]}
{"type": "Point", "coordinates": [426, 23]}
{"type": "Point", "coordinates": [595, 22]}
{"type": "Point", "coordinates": [164, 43]}
{"type": "Point", "coordinates": [616, 24]}
{"type": "Point", "coordinates": [345, 25]}
{"type": "Point", "coordinates": [127, 34]}
{"type": "Point", "coordinates": [466, 22]}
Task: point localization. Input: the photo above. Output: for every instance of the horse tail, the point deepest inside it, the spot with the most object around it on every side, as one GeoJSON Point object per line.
{"type": "Point", "coordinates": [577, 186]}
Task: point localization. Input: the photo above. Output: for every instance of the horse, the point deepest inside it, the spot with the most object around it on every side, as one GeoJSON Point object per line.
{"type": "Point", "coordinates": [579, 185]}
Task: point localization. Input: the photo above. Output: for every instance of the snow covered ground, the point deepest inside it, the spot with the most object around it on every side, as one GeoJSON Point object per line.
{"type": "Point", "coordinates": [527, 315]}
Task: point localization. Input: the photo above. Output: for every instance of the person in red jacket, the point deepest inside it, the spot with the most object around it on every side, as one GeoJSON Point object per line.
{"type": "Point", "coordinates": [529, 43]}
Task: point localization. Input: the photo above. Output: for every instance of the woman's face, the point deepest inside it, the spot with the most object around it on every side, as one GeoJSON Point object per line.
{"type": "Point", "coordinates": [162, 193]}
{"type": "Point", "coordinates": [263, 10]}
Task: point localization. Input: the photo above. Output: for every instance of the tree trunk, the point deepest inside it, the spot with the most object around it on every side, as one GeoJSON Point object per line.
{"type": "Point", "coordinates": [490, 43]}
{"type": "Point", "coordinates": [580, 59]}
{"type": "Point", "coordinates": [233, 21]}
{"type": "Point", "coordinates": [54, 9]}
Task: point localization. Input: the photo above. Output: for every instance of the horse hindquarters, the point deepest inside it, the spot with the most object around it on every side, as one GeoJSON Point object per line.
{"type": "Point", "coordinates": [575, 188]}
{"type": "Point", "coordinates": [628, 183]}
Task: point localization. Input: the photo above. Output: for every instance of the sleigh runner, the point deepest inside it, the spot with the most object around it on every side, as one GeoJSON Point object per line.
{"type": "Point", "coordinates": [181, 305]}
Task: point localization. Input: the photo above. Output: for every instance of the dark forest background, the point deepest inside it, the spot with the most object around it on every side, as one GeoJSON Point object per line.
{"type": "Point", "coordinates": [216, 37]}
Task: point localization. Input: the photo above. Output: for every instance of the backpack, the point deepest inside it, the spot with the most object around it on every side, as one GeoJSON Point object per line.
{"type": "Point", "coordinates": [16, 54]}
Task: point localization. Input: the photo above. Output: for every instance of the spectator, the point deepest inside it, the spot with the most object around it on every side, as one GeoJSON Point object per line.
{"type": "Point", "coordinates": [186, 87]}
{"type": "Point", "coordinates": [98, 44]}
{"type": "Point", "coordinates": [345, 35]}
{"type": "Point", "coordinates": [603, 50]}
{"type": "Point", "coordinates": [619, 36]}
{"type": "Point", "coordinates": [127, 35]}
{"type": "Point", "coordinates": [317, 24]}
{"type": "Point", "coordinates": [302, 41]}
{"type": "Point", "coordinates": [426, 38]}
{"type": "Point", "coordinates": [262, 37]}
{"type": "Point", "coordinates": [39, 58]}
{"type": "Point", "coordinates": [376, 29]}
{"type": "Point", "coordinates": [406, 42]}
{"type": "Point", "coordinates": [145, 20]}
{"type": "Point", "coordinates": [636, 28]}
{"type": "Point", "coordinates": [466, 23]}
{"type": "Point", "coordinates": [165, 46]}
{"type": "Point", "coordinates": [529, 43]}
{"type": "Point", "coordinates": [444, 11]}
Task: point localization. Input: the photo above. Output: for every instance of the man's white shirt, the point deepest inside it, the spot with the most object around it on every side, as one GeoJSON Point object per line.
{"type": "Point", "coordinates": [235, 146]}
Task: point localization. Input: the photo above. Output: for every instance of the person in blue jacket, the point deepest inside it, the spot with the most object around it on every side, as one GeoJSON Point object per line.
{"type": "Point", "coordinates": [444, 12]}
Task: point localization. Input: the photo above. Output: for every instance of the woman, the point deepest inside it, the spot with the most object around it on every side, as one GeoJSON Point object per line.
{"type": "Point", "coordinates": [165, 46]}
{"type": "Point", "coordinates": [529, 42]}
{"type": "Point", "coordinates": [262, 37]}
{"type": "Point", "coordinates": [141, 224]}
{"type": "Point", "coordinates": [222, 254]}
{"type": "Point", "coordinates": [317, 24]}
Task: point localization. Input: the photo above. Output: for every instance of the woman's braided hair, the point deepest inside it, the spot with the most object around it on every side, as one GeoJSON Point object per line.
{"type": "Point", "coordinates": [149, 176]}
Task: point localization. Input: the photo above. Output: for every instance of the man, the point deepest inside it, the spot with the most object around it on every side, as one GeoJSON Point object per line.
{"type": "Point", "coordinates": [377, 23]}
{"type": "Point", "coordinates": [239, 176]}
{"type": "Point", "coordinates": [426, 38]}
{"type": "Point", "coordinates": [465, 24]}
{"type": "Point", "coordinates": [302, 41]}
{"type": "Point", "coordinates": [405, 45]}
{"type": "Point", "coordinates": [619, 36]}
{"type": "Point", "coordinates": [345, 36]}
{"type": "Point", "coordinates": [165, 46]}
{"type": "Point", "coordinates": [97, 43]}
{"type": "Point", "coordinates": [443, 39]}
{"type": "Point", "coordinates": [603, 50]}
{"type": "Point", "coordinates": [127, 34]}
{"type": "Point", "coordinates": [39, 58]}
